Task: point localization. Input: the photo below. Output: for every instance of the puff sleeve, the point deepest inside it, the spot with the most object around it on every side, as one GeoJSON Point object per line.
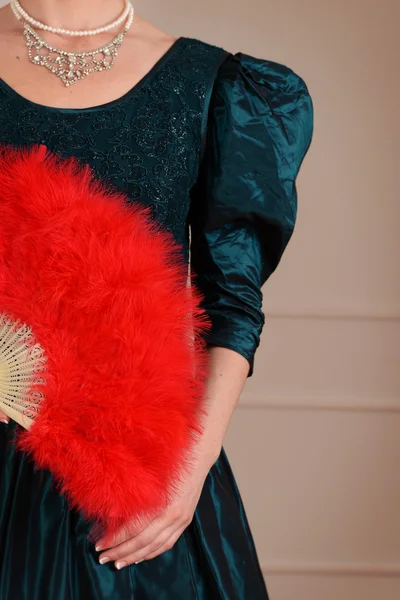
{"type": "Point", "coordinates": [244, 202]}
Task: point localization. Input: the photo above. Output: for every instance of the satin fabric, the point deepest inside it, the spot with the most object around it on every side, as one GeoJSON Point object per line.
{"type": "Point", "coordinates": [241, 216]}
{"type": "Point", "coordinates": [244, 203]}
{"type": "Point", "coordinates": [45, 555]}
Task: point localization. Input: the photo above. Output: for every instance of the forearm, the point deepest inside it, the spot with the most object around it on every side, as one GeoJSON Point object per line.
{"type": "Point", "coordinates": [227, 376]}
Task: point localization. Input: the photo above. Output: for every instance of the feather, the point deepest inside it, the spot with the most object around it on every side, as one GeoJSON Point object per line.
{"type": "Point", "coordinates": [104, 289]}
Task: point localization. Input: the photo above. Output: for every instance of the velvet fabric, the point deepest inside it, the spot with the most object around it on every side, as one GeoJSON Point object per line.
{"type": "Point", "coordinates": [212, 142]}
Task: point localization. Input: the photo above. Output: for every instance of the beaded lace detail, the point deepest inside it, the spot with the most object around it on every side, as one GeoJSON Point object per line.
{"type": "Point", "coordinates": [147, 143]}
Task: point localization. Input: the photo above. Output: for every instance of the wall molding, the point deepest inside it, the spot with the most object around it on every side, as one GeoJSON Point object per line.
{"type": "Point", "coordinates": [251, 401]}
{"type": "Point", "coordinates": [332, 569]}
{"type": "Point", "coordinates": [331, 316]}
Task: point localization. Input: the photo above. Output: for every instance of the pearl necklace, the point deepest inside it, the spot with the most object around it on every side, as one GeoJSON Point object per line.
{"type": "Point", "coordinates": [17, 8]}
{"type": "Point", "coordinates": [70, 67]}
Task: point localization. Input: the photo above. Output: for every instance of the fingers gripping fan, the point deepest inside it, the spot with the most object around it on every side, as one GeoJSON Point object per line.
{"type": "Point", "coordinates": [102, 359]}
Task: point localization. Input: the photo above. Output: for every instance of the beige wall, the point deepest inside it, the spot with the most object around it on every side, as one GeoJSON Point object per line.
{"type": "Point", "coordinates": [319, 421]}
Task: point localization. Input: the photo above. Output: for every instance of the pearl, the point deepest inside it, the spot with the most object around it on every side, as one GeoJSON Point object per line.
{"type": "Point", "coordinates": [20, 13]}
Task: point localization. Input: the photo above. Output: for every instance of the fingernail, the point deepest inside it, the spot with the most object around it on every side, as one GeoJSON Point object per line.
{"type": "Point", "coordinates": [139, 561]}
{"type": "Point", "coordinates": [98, 548]}
{"type": "Point", "coordinates": [103, 560]}
{"type": "Point", "coordinates": [120, 565]}
{"type": "Point", "coordinates": [4, 421]}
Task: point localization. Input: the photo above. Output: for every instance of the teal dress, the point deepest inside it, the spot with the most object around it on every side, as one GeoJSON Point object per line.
{"type": "Point", "coordinates": [212, 142]}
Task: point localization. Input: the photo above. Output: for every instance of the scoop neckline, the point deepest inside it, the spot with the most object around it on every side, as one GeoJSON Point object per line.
{"type": "Point", "coordinates": [106, 105]}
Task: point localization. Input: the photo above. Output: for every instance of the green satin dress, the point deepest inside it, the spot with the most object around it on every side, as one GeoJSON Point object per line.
{"type": "Point", "coordinates": [213, 142]}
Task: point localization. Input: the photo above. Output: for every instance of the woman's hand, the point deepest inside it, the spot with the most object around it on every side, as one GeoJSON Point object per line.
{"type": "Point", "coordinates": [163, 531]}
{"type": "Point", "coordinates": [4, 418]}
{"type": "Point", "coordinates": [228, 373]}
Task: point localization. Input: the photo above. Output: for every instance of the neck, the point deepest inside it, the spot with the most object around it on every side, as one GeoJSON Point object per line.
{"type": "Point", "coordinates": [74, 14]}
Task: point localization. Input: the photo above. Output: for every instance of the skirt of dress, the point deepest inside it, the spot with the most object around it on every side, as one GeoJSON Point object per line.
{"type": "Point", "coordinates": [45, 554]}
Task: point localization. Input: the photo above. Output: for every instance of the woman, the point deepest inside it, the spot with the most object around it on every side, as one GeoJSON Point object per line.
{"type": "Point", "coordinates": [213, 142]}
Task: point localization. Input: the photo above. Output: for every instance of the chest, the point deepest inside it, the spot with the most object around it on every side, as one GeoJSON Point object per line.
{"type": "Point", "coordinates": [38, 84]}
{"type": "Point", "coordinates": [146, 143]}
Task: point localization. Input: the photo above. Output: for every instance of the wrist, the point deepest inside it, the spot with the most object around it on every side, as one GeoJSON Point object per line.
{"type": "Point", "coordinates": [209, 452]}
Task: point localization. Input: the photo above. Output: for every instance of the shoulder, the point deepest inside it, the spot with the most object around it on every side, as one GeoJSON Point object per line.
{"type": "Point", "coordinates": [268, 102]}
{"type": "Point", "coordinates": [267, 81]}
{"type": "Point", "coordinates": [239, 65]}
{"type": "Point", "coordinates": [277, 86]}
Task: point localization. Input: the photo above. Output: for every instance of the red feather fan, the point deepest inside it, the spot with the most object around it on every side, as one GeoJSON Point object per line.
{"type": "Point", "coordinates": [104, 289]}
